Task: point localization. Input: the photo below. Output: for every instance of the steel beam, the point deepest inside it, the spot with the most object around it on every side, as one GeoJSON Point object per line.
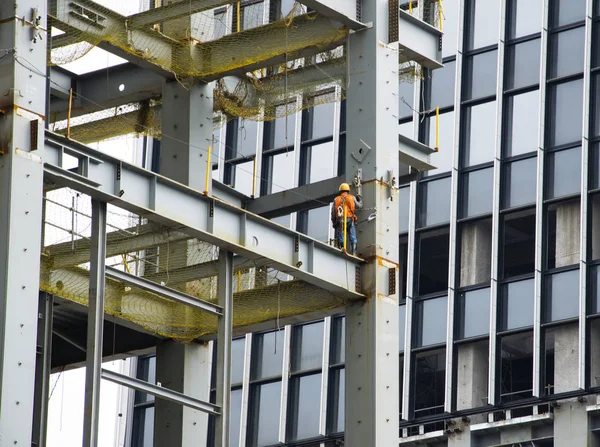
{"type": "Point", "coordinates": [22, 110]}
{"type": "Point", "coordinates": [415, 154]}
{"type": "Point", "coordinates": [340, 10]}
{"type": "Point", "coordinates": [372, 326]}
{"type": "Point", "coordinates": [301, 198]}
{"type": "Point", "coordinates": [93, 367]}
{"type": "Point", "coordinates": [165, 292]}
{"type": "Point", "coordinates": [207, 218]}
{"type": "Point", "coordinates": [418, 41]}
{"type": "Point", "coordinates": [172, 11]}
{"type": "Point", "coordinates": [160, 392]}
{"type": "Point", "coordinates": [223, 371]}
{"type": "Point", "coordinates": [43, 367]}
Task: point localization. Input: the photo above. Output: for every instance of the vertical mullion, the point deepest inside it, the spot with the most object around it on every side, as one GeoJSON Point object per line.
{"type": "Point", "coordinates": [325, 376]}
{"type": "Point", "coordinates": [246, 389]}
{"type": "Point", "coordinates": [585, 145]}
{"type": "Point", "coordinates": [496, 208]}
{"type": "Point", "coordinates": [285, 380]}
{"type": "Point", "coordinates": [539, 208]}
{"type": "Point", "coordinates": [95, 327]}
{"type": "Point", "coordinates": [454, 200]}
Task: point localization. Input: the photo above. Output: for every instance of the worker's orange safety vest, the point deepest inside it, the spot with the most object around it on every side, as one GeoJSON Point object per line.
{"type": "Point", "coordinates": [348, 200]}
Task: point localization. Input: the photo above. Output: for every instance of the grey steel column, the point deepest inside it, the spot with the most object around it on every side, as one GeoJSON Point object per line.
{"type": "Point", "coordinates": [42, 370]}
{"type": "Point", "coordinates": [372, 325]}
{"type": "Point", "coordinates": [225, 292]}
{"type": "Point", "coordinates": [22, 107]}
{"type": "Point", "coordinates": [539, 210]}
{"type": "Point", "coordinates": [95, 325]}
{"type": "Point", "coordinates": [496, 210]}
{"type": "Point", "coordinates": [585, 156]}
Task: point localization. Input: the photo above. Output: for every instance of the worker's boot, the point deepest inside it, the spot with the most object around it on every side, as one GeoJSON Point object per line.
{"type": "Point", "coordinates": [353, 249]}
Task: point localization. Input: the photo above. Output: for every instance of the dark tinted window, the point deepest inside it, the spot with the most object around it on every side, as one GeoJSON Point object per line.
{"type": "Point", "coordinates": [482, 21]}
{"type": "Point", "coordinates": [520, 182]}
{"type": "Point", "coordinates": [518, 239]}
{"type": "Point", "coordinates": [478, 192]}
{"type": "Point", "coordinates": [566, 52]}
{"type": "Point", "coordinates": [435, 202]}
{"type": "Point", "coordinates": [523, 64]}
{"type": "Point", "coordinates": [441, 92]}
{"type": "Point", "coordinates": [516, 304]}
{"type": "Point", "coordinates": [563, 172]}
{"type": "Point", "coordinates": [433, 262]}
{"type": "Point", "coordinates": [480, 75]}
{"type": "Point", "coordinates": [524, 17]}
{"type": "Point", "coordinates": [562, 295]}
{"type": "Point", "coordinates": [564, 12]}
{"type": "Point", "coordinates": [474, 311]}
{"type": "Point", "coordinates": [565, 111]}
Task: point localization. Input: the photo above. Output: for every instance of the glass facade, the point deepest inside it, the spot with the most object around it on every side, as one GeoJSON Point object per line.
{"type": "Point", "coordinates": [497, 257]}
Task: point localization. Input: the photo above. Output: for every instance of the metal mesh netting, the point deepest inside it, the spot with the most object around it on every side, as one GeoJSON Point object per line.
{"type": "Point", "coordinates": [166, 256]}
{"type": "Point", "coordinates": [198, 45]}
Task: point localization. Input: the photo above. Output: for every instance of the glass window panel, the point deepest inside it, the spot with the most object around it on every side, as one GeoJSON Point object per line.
{"type": "Point", "coordinates": [480, 76]}
{"type": "Point", "coordinates": [516, 367]}
{"type": "Point", "coordinates": [401, 326]}
{"type": "Point", "coordinates": [282, 174]}
{"type": "Point", "coordinates": [562, 295]}
{"type": "Point", "coordinates": [318, 223]}
{"type": "Point", "coordinates": [595, 104]}
{"type": "Point", "coordinates": [435, 202]}
{"type": "Point", "coordinates": [480, 122]}
{"type": "Point", "coordinates": [477, 192]}
{"type": "Point", "coordinates": [518, 237]}
{"type": "Point", "coordinates": [402, 269]}
{"type": "Point", "coordinates": [244, 177]}
{"type": "Point", "coordinates": [281, 132]}
{"type": "Point", "coordinates": [520, 182]}
{"type": "Point", "coordinates": [594, 212]}
{"type": "Point", "coordinates": [306, 392]}
{"type": "Point", "coordinates": [523, 63]}
{"type": "Point", "coordinates": [321, 162]}
{"type": "Point", "coordinates": [442, 159]}
{"type": "Point", "coordinates": [406, 129]}
{"type": "Point", "coordinates": [322, 119]}
{"type": "Point", "coordinates": [144, 431]}
{"type": "Point", "coordinates": [450, 27]}
{"type": "Point", "coordinates": [431, 318]}
{"type": "Point", "coordinates": [338, 354]}
{"type": "Point", "coordinates": [564, 12]}
{"type": "Point", "coordinates": [595, 288]}
{"type": "Point", "coordinates": [516, 304]}
{"type": "Point", "coordinates": [404, 205]}
{"type": "Point", "coordinates": [429, 383]}
{"type": "Point", "coordinates": [483, 23]}
{"type": "Point", "coordinates": [596, 40]}
{"type": "Point", "coordinates": [565, 112]}
{"type": "Point", "coordinates": [337, 413]}
{"type": "Point", "coordinates": [521, 127]}
{"type": "Point", "coordinates": [308, 346]}
{"type": "Point", "coordinates": [563, 173]}
{"type": "Point", "coordinates": [474, 312]}
{"type": "Point", "coordinates": [562, 238]}
{"type": "Point", "coordinates": [146, 371]}
{"type": "Point", "coordinates": [433, 262]}
{"type": "Point", "coordinates": [475, 252]}
{"type": "Point", "coordinates": [441, 92]}
{"type": "Point", "coordinates": [525, 18]}
{"type": "Point", "coordinates": [267, 355]}
{"type": "Point", "coordinates": [265, 414]}
{"type": "Point", "coordinates": [566, 52]}
{"type": "Point", "coordinates": [406, 97]}
{"type": "Point", "coordinates": [235, 417]}
{"type": "Point", "coordinates": [237, 359]}
{"type": "Point", "coordinates": [246, 138]}
{"type": "Point", "coordinates": [220, 24]}
{"type": "Point", "coordinates": [252, 15]}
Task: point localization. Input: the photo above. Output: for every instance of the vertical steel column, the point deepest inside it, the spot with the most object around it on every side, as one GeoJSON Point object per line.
{"type": "Point", "coordinates": [454, 201]}
{"type": "Point", "coordinates": [22, 111]}
{"type": "Point", "coordinates": [95, 325]}
{"type": "Point", "coordinates": [325, 376]}
{"type": "Point", "coordinates": [372, 325]}
{"type": "Point", "coordinates": [285, 382]}
{"type": "Point", "coordinates": [539, 209]}
{"type": "Point", "coordinates": [42, 369]}
{"type": "Point", "coordinates": [585, 155]}
{"type": "Point", "coordinates": [225, 292]}
{"type": "Point", "coordinates": [496, 209]}
{"type": "Point", "coordinates": [245, 389]}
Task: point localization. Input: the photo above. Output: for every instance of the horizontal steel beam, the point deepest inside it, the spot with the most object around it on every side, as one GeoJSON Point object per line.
{"type": "Point", "coordinates": [172, 11]}
{"type": "Point", "coordinates": [418, 41]}
{"type": "Point", "coordinates": [341, 10]}
{"type": "Point", "coordinates": [165, 292]}
{"type": "Point", "coordinates": [207, 218]}
{"type": "Point", "coordinates": [415, 154]}
{"type": "Point", "coordinates": [301, 198]}
{"type": "Point", "coordinates": [160, 392]}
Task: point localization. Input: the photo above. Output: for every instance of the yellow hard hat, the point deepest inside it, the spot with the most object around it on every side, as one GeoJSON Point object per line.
{"type": "Point", "coordinates": [344, 187]}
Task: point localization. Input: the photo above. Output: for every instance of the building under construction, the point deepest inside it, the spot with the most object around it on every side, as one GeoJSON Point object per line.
{"type": "Point", "coordinates": [204, 253]}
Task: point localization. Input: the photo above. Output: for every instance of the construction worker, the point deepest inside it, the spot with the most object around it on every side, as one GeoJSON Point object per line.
{"type": "Point", "coordinates": [351, 203]}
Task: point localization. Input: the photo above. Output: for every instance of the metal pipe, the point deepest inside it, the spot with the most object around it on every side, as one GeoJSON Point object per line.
{"type": "Point", "coordinates": [254, 178]}
{"type": "Point", "coordinates": [441, 13]}
{"type": "Point", "coordinates": [410, 8]}
{"type": "Point", "coordinates": [69, 112]}
{"type": "Point", "coordinates": [239, 13]}
{"type": "Point", "coordinates": [208, 172]}
{"type": "Point", "coordinates": [345, 225]}
{"type": "Point", "coordinates": [93, 367]}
